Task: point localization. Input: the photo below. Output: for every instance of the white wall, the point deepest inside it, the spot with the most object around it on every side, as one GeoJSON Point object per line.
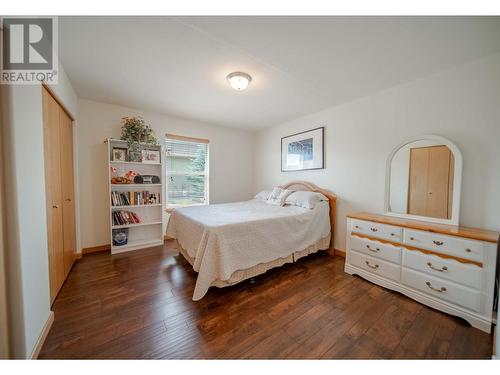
{"type": "Point", "coordinates": [461, 104]}
{"type": "Point", "coordinates": [231, 160]}
{"type": "Point", "coordinates": [28, 278]}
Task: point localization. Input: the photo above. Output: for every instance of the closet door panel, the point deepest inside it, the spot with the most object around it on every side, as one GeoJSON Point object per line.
{"type": "Point", "coordinates": [438, 184]}
{"type": "Point", "coordinates": [53, 191]}
{"type": "Point", "coordinates": [418, 181]}
{"type": "Point", "coordinates": [67, 184]}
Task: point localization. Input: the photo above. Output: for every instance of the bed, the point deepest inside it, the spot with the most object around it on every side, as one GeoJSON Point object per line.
{"type": "Point", "coordinates": [232, 242]}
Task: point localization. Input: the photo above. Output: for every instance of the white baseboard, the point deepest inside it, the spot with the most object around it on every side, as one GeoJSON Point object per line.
{"type": "Point", "coordinates": [43, 336]}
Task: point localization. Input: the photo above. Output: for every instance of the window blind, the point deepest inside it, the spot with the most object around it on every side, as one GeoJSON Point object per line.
{"type": "Point", "coordinates": [187, 172]}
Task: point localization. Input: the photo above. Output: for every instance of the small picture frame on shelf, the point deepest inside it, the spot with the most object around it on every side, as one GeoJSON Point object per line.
{"type": "Point", "coordinates": [119, 154]}
{"type": "Point", "coordinates": [135, 156]}
{"type": "Point", "coordinates": [151, 156]}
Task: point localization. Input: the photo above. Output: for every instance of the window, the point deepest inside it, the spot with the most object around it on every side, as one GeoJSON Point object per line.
{"type": "Point", "coordinates": [187, 171]}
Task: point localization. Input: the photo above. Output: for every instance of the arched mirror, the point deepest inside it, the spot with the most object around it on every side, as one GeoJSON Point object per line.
{"type": "Point", "coordinates": [423, 180]}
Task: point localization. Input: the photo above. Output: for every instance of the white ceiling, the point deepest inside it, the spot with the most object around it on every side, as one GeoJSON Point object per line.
{"type": "Point", "coordinates": [299, 65]}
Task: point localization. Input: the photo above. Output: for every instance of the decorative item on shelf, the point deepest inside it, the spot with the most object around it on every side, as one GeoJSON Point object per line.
{"type": "Point", "coordinates": [120, 237]}
{"type": "Point", "coordinates": [131, 175]}
{"type": "Point", "coordinates": [146, 179]}
{"type": "Point", "coordinates": [126, 179]}
{"type": "Point", "coordinates": [135, 131]}
{"type": "Point", "coordinates": [120, 180]}
{"type": "Point", "coordinates": [117, 180]}
{"type": "Point", "coordinates": [151, 156]}
{"type": "Point", "coordinates": [119, 154]}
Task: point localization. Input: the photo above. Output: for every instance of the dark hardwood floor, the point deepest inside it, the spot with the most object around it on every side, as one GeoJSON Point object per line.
{"type": "Point", "coordinates": [138, 305]}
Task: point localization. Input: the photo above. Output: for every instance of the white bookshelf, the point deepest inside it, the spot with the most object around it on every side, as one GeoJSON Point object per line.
{"type": "Point", "coordinates": [149, 232]}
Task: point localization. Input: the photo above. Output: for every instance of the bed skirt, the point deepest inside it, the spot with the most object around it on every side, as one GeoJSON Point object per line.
{"type": "Point", "coordinates": [259, 269]}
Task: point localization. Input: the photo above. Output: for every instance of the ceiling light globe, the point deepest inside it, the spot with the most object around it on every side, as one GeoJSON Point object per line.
{"type": "Point", "coordinates": [239, 80]}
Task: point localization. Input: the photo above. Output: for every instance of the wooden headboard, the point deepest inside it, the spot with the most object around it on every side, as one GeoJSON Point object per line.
{"type": "Point", "coordinates": [307, 186]}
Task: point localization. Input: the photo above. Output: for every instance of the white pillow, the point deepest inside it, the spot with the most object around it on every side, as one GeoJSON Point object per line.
{"type": "Point", "coordinates": [278, 196]}
{"type": "Point", "coordinates": [306, 199]}
{"type": "Point", "coordinates": [263, 195]}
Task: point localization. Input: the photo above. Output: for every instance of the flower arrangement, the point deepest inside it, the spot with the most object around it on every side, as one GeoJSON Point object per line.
{"type": "Point", "coordinates": [136, 131]}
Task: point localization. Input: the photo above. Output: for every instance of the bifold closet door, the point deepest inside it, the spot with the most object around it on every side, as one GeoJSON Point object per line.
{"type": "Point", "coordinates": [68, 202]}
{"type": "Point", "coordinates": [59, 186]}
{"type": "Point", "coordinates": [440, 182]}
{"type": "Point", "coordinates": [53, 192]}
{"type": "Point", "coordinates": [430, 181]}
{"type": "Point", "coordinates": [418, 181]}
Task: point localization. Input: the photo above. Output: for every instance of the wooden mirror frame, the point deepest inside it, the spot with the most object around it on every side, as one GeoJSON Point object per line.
{"type": "Point", "coordinates": [457, 181]}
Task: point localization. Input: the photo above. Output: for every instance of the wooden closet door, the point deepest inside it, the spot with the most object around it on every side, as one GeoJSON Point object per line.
{"type": "Point", "coordinates": [438, 182]}
{"type": "Point", "coordinates": [418, 180]}
{"type": "Point", "coordinates": [430, 182]}
{"type": "Point", "coordinates": [68, 203]}
{"type": "Point", "coordinates": [53, 192]}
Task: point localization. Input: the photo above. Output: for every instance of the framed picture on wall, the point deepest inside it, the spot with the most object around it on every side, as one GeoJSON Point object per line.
{"type": "Point", "coordinates": [303, 151]}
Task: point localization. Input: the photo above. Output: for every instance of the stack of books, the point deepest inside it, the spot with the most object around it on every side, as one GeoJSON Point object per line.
{"type": "Point", "coordinates": [125, 217]}
{"type": "Point", "coordinates": [134, 198]}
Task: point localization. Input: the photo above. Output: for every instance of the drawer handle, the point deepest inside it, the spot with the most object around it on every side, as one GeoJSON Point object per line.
{"type": "Point", "coordinates": [412, 238]}
{"type": "Point", "coordinates": [356, 226]}
{"type": "Point", "coordinates": [441, 290]}
{"type": "Point", "coordinates": [438, 243]}
{"type": "Point", "coordinates": [444, 268]}
{"type": "Point", "coordinates": [468, 250]}
{"type": "Point", "coordinates": [374, 229]}
{"type": "Point", "coordinates": [374, 250]}
{"type": "Point", "coordinates": [371, 266]}
{"type": "Point", "coordinates": [392, 234]}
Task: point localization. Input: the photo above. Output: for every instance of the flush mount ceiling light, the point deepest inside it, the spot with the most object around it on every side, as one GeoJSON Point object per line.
{"type": "Point", "coordinates": [239, 80]}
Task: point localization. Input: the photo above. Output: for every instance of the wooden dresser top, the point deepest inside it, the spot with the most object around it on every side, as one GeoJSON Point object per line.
{"type": "Point", "coordinates": [452, 230]}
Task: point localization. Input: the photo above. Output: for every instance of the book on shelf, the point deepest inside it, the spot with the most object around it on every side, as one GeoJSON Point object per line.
{"type": "Point", "coordinates": [134, 198]}
{"type": "Point", "coordinates": [125, 217]}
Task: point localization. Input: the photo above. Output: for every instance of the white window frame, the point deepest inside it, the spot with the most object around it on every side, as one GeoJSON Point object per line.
{"type": "Point", "coordinates": [206, 173]}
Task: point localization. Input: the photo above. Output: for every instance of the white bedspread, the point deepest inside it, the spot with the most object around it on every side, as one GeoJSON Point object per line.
{"type": "Point", "coordinates": [224, 238]}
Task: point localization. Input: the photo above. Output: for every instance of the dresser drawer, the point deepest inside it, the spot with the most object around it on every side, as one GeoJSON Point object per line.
{"type": "Point", "coordinates": [443, 289]}
{"type": "Point", "coordinates": [459, 247]}
{"type": "Point", "coordinates": [375, 266]}
{"type": "Point", "coordinates": [376, 249]}
{"type": "Point", "coordinates": [383, 231]}
{"type": "Point", "coordinates": [466, 274]}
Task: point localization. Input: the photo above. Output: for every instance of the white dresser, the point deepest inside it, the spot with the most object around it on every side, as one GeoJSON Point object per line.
{"type": "Point", "coordinates": [449, 268]}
